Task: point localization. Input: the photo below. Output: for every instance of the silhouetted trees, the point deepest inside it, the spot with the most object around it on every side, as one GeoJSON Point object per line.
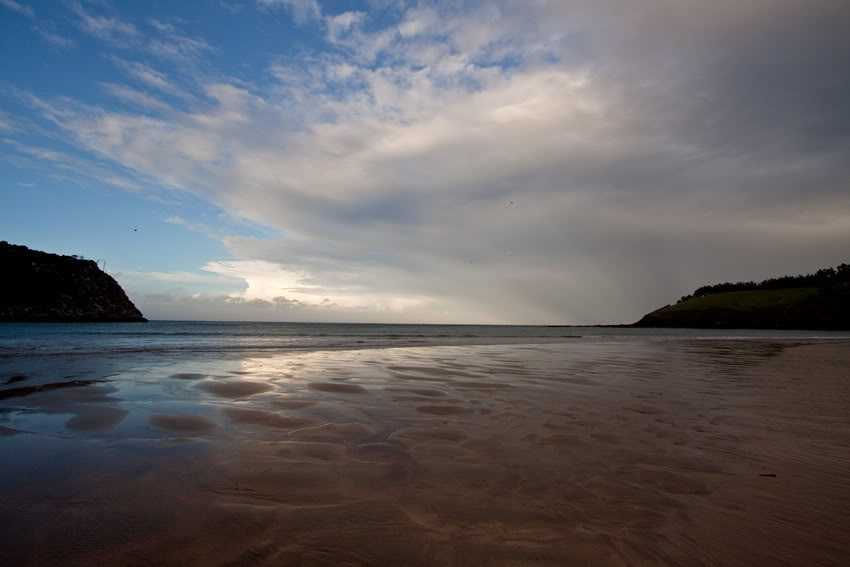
{"type": "Point", "coordinates": [823, 278]}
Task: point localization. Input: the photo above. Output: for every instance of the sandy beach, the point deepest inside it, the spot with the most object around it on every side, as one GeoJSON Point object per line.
{"type": "Point", "coordinates": [589, 452]}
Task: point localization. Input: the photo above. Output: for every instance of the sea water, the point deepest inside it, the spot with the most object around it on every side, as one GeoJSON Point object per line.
{"type": "Point", "coordinates": [47, 339]}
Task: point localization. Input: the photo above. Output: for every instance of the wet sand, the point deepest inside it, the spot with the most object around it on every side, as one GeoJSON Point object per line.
{"type": "Point", "coordinates": [591, 452]}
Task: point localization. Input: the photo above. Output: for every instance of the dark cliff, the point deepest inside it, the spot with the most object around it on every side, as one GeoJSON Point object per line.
{"type": "Point", "coordinates": [37, 286]}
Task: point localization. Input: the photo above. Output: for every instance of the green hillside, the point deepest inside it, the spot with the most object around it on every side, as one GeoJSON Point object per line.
{"type": "Point", "coordinates": [822, 302]}
{"type": "Point", "coordinates": [745, 300]}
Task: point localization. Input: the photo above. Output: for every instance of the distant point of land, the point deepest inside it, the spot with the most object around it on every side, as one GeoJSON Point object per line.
{"type": "Point", "coordinates": [819, 301]}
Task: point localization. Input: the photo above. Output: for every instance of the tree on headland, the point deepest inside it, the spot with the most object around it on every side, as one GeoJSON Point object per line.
{"type": "Point", "coordinates": [823, 278]}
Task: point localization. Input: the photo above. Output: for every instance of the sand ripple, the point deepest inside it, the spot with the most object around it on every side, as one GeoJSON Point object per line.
{"type": "Point", "coordinates": [268, 419]}
{"type": "Point", "coordinates": [240, 389]}
{"type": "Point", "coordinates": [182, 423]}
{"type": "Point", "coordinates": [337, 388]}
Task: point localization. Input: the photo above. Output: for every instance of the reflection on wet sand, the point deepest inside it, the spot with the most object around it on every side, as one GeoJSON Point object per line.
{"type": "Point", "coordinates": [634, 452]}
{"type": "Point", "coordinates": [233, 389]}
{"type": "Point", "coordinates": [337, 388]}
{"type": "Point", "coordinates": [268, 419]}
{"type": "Point", "coordinates": [89, 402]}
{"type": "Point", "coordinates": [182, 423]}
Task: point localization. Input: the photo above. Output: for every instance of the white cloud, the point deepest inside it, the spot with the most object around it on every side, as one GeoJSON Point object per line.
{"type": "Point", "coordinates": [5, 121]}
{"type": "Point", "coordinates": [164, 27]}
{"type": "Point", "coordinates": [137, 97]}
{"type": "Point", "coordinates": [22, 9]}
{"type": "Point", "coordinates": [303, 11]}
{"type": "Point", "coordinates": [213, 233]}
{"type": "Point", "coordinates": [74, 165]}
{"type": "Point", "coordinates": [150, 76]}
{"type": "Point", "coordinates": [54, 38]}
{"type": "Point", "coordinates": [103, 27]}
{"type": "Point", "coordinates": [232, 7]}
{"type": "Point", "coordinates": [265, 280]}
{"type": "Point", "coordinates": [268, 281]}
{"type": "Point", "coordinates": [177, 46]}
{"type": "Point", "coordinates": [341, 24]}
{"type": "Point", "coordinates": [185, 280]}
{"type": "Point", "coordinates": [180, 48]}
{"type": "Point", "coordinates": [417, 21]}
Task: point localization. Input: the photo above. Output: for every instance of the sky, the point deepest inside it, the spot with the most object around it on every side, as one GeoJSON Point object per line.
{"type": "Point", "coordinates": [528, 162]}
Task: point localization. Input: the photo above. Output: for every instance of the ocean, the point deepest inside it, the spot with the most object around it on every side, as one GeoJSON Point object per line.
{"type": "Point", "coordinates": [43, 339]}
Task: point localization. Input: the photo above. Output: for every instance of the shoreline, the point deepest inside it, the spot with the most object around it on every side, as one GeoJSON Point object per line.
{"type": "Point", "coordinates": [253, 351]}
{"type": "Point", "coordinates": [29, 340]}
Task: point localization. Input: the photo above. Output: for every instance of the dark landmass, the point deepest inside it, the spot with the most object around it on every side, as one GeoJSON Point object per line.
{"type": "Point", "coordinates": [819, 301]}
{"type": "Point", "coordinates": [43, 287]}
{"type": "Point", "coordinates": [597, 326]}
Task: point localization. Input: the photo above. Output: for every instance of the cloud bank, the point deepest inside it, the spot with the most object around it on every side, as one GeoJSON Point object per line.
{"type": "Point", "coordinates": [542, 162]}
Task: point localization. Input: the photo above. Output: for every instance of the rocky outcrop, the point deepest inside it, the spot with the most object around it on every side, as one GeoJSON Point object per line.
{"type": "Point", "coordinates": [38, 286]}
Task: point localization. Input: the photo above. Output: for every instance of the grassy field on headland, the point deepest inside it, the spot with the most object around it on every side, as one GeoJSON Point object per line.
{"type": "Point", "coordinates": [817, 301]}
{"type": "Point", "coordinates": [744, 300]}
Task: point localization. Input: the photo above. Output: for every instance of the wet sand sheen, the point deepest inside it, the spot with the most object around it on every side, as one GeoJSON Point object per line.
{"type": "Point", "coordinates": [337, 388]}
{"type": "Point", "coordinates": [239, 389]}
{"type": "Point", "coordinates": [182, 423]}
{"type": "Point", "coordinates": [189, 376]}
{"type": "Point", "coordinates": [444, 410]}
{"type": "Point", "coordinates": [693, 453]}
{"type": "Point", "coordinates": [97, 418]}
{"type": "Point", "coordinates": [268, 419]}
{"type": "Point", "coordinates": [294, 404]}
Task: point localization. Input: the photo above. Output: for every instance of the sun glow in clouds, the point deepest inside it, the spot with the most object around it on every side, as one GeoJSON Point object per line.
{"type": "Point", "coordinates": [269, 282]}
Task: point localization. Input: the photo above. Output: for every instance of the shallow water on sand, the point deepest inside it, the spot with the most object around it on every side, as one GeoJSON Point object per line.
{"type": "Point", "coordinates": [604, 452]}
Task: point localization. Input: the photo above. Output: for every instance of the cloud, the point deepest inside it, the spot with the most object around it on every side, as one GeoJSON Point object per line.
{"type": "Point", "coordinates": [164, 27]}
{"type": "Point", "coordinates": [223, 307]}
{"type": "Point", "coordinates": [150, 76]}
{"type": "Point", "coordinates": [137, 97]}
{"type": "Point", "coordinates": [5, 121]}
{"type": "Point", "coordinates": [227, 308]}
{"type": "Point", "coordinates": [268, 281]}
{"type": "Point", "coordinates": [265, 280]}
{"type": "Point", "coordinates": [186, 282]}
{"type": "Point", "coordinates": [54, 38]}
{"type": "Point", "coordinates": [76, 166]}
{"type": "Point", "coordinates": [176, 46]}
{"type": "Point", "coordinates": [21, 9]}
{"type": "Point", "coordinates": [232, 7]}
{"type": "Point", "coordinates": [213, 233]}
{"type": "Point", "coordinates": [107, 28]}
{"type": "Point", "coordinates": [341, 24]}
{"type": "Point", "coordinates": [512, 163]}
{"type": "Point", "coordinates": [303, 11]}
{"type": "Point", "coordinates": [262, 291]}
